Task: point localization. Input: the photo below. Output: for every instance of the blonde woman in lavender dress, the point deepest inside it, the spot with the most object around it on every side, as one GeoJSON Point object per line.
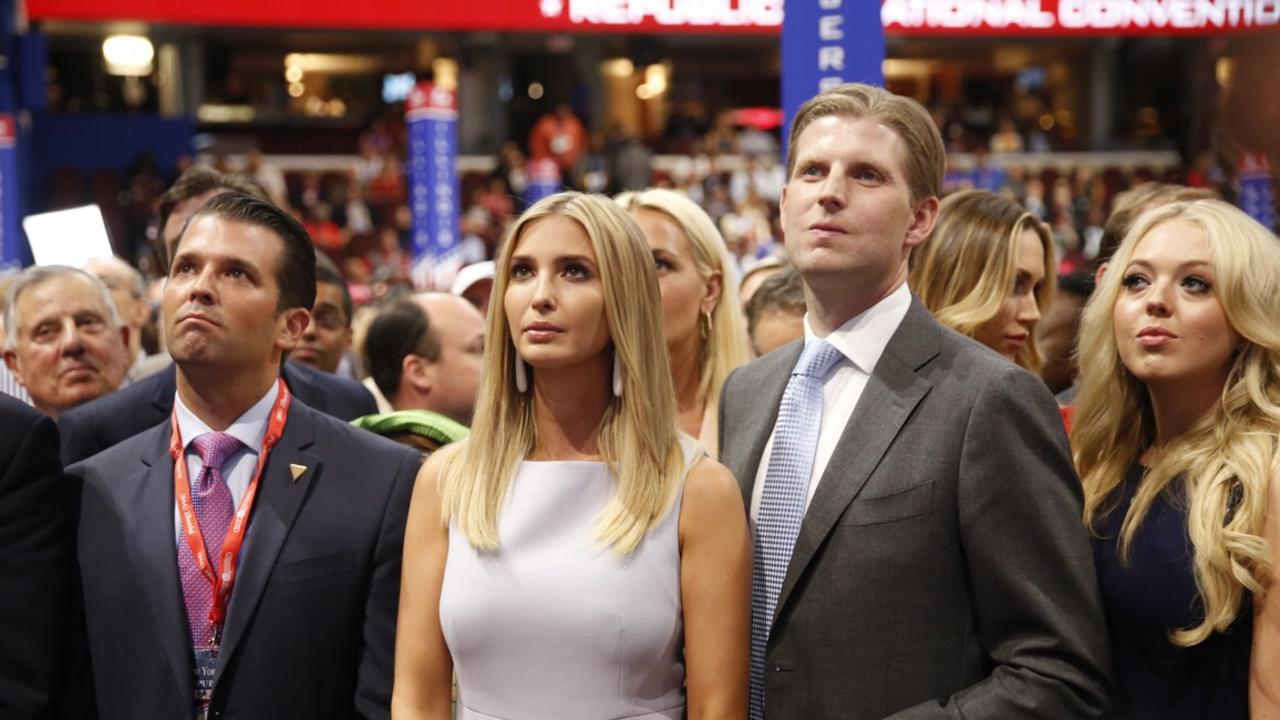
{"type": "Point", "coordinates": [576, 558]}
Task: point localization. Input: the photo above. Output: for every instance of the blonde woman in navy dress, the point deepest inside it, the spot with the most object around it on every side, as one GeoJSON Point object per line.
{"type": "Point", "coordinates": [576, 557]}
{"type": "Point", "coordinates": [1177, 440]}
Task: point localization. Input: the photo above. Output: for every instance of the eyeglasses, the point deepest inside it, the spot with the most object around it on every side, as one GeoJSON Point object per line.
{"type": "Point", "coordinates": [329, 318]}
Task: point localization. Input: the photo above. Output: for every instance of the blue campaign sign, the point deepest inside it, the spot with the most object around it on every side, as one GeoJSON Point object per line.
{"type": "Point", "coordinates": [1257, 191]}
{"type": "Point", "coordinates": [826, 43]}
{"type": "Point", "coordinates": [12, 250]}
{"type": "Point", "coordinates": [431, 116]}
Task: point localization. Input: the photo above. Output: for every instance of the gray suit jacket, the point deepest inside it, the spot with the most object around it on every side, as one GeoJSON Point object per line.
{"type": "Point", "coordinates": [941, 570]}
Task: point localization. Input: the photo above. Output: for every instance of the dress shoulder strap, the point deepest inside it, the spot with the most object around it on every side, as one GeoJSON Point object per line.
{"type": "Point", "coordinates": [692, 450]}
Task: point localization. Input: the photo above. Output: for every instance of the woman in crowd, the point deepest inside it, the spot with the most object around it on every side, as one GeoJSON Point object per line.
{"type": "Point", "coordinates": [573, 557]}
{"type": "Point", "coordinates": [705, 332]}
{"type": "Point", "coordinates": [1176, 438]}
{"type": "Point", "coordinates": [987, 271]}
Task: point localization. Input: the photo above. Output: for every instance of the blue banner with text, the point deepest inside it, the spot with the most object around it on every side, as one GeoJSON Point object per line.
{"type": "Point", "coordinates": [826, 43]}
{"type": "Point", "coordinates": [431, 117]}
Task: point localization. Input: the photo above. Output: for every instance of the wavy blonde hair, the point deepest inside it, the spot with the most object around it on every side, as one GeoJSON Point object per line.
{"type": "Point", "coordinates": [638, 437]}
{"type": "Point", "coordinates": [1224, 462]}
{"type": "Point", "coordinates": [966, 269]}
{"type": "Point", "coordinates": [727, 345]}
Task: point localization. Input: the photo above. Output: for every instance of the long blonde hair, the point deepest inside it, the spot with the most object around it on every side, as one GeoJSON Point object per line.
{"type": "Point", "coordinates": [966, 269]}
{"type": "Point", "coordinates": [638, 437]}
{"type": "Point", "coordinates": [726, 345]}
{"type": "Point", "coordinates": [1224, 462]}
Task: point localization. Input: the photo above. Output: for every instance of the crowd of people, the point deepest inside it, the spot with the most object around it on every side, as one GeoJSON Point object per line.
{"type": "Point", "coordinates": [618, 471]}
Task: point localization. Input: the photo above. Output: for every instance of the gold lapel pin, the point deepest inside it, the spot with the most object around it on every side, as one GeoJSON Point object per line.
{"type": "Point", "coordinates": [297, 470]}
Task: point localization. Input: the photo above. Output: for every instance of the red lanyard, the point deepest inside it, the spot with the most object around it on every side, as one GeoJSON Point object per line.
{"type": "Point", "coordinates": [225, 579]}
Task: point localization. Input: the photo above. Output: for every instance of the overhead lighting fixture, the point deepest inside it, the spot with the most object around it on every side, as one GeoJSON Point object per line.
{"type": "Point", "coordinates": [535, 90]}
{"type": "Point", "coordinates": [297, 89]}
{"type": "Point", "coordinates": [332, 63]}
{"type": "Point", "coordinates": [655, 76]}
{"type": "Point", "coordinates": [619, 67]}
{"type": "Point", "coordinates": [444, 71]}
{"type": "Point", "coordinates": [293, 74]}
{"type": "Point", "coordinates": [129, 55]}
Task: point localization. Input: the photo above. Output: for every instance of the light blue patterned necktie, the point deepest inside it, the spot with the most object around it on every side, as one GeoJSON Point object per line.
{"type": "Point", "coordinates": [785, 496]}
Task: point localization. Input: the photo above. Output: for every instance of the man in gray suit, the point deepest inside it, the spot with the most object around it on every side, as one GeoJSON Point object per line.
{"type": "Point", "coordinates": [919, 549]}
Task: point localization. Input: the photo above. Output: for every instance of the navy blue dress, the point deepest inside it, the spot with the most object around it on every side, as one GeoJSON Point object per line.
{"type": "Point", "coordinates": [1152, 595]}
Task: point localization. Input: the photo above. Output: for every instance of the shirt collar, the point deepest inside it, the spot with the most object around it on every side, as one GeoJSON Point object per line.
{"type": "Point", "coordinates": [864, 337]}
{"type": "Point", "coordinates": [250, 428]}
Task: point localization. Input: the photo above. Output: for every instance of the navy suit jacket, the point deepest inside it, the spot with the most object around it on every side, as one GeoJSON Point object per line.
{"type": "Point", "coordinates": [97, 425]}
{"type": "Point", "coordinates": [310, 629]}
{"type": "Point", "coordinates": [35, 554]}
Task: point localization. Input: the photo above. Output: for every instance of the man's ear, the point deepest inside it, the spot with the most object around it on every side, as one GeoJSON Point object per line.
{"type": "Point", "coordinates": [125, 333]}
{"type": "Point", "coordinates": [923, 218]}
{"type": "Point", "coordinates": [419, 373]}
{"type": "Point", "coordinates": [11, 361]}
{"type": "Point", "coordinates": [294, 325]}
{"type": "Point", "coordinates": [141, 314]}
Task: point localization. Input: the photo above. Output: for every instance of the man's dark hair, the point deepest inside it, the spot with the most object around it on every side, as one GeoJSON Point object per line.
{"type": "Point", "coordinates": [783, 290]}
{"type": "Point", "coordinates": [400, 329]}
{"type": "Point", "coordinates": [296, 266]}
{"type": "Point", "coordinates": [196, 181]}
{"type": "Point", "coordinates": [326, 275]}
{"type": "Point", "coordinates": [200, 179]}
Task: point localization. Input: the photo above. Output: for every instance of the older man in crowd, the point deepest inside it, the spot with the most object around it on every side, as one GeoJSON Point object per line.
{"type": "Point", "coordinates": [129, 293]}
{"type": "Point", "coordinates": [425, 353]}
{"type": "Point", "coordinates": [65, 342]}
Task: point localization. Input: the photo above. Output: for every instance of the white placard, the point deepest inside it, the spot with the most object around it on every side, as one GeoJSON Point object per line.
{"type": "Point", "coordinates": [67, 237]}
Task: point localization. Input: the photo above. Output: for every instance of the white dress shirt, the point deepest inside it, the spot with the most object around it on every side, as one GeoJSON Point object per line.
{"type": "Point", "coordinates": [862, 341]}
{"type": "Point", "coordinates": [10, 386]}
{"type": "Point", "coordinates": [250, 429]}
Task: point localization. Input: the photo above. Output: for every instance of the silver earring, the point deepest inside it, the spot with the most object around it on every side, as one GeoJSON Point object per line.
{"type": "Point", "coordinates": [522, 375]}
{"type": "Point", "coordinates": [617, 376]}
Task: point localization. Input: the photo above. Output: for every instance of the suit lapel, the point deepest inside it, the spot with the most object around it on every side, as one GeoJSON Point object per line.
{"type": "Point", "coordinates": [150, 492]}
{"type": "Point", "coordinates": [892, 393]}
{"type": "Point", "coordinates": [280, 497]}
{"type": "Point", "coordinates": [756, 427]}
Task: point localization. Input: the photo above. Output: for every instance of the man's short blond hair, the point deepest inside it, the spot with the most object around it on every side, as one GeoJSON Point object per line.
{"type": "Point", "coordinates": [926, 158]}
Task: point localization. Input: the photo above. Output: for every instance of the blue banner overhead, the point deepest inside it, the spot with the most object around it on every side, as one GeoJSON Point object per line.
{"type": "Point", "coordinates": [431, 116]}
{"type": "Point", "coordinates": [826, 43]}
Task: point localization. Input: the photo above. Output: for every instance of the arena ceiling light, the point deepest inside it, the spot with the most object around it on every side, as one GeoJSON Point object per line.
{"type": "Point", "coordinates": [129, 55]}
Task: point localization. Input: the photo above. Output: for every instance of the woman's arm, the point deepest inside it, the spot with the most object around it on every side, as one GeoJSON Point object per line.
{"type": "Point", "coordinates": [715, 587]}
{"type": "Point", "coordinates": [1264, 666]}
{"type": "Point", "coordinates": [424, 671]}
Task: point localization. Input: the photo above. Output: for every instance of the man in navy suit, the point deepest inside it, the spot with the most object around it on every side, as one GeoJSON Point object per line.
{"type": "Point", "coordinates": [97, 425]}
{"type": "Point", "coordinates": [34, 561]}
{"type": "Point", "coordinates": [243, 557]}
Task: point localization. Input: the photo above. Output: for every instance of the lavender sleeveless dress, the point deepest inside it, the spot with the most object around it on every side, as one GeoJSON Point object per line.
{"type": "Point", "coordinates": [555, 626]}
